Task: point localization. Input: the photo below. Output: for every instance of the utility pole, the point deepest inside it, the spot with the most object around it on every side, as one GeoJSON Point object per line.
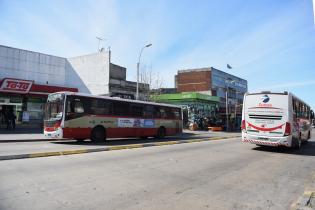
{"type": "Point", "coordinates": [138, 67]}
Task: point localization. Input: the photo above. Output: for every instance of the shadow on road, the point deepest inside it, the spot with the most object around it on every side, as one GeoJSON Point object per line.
{"type": "Point", "coordinates": [22, 131]}
{"type": "Point", "coordinates": [307, 149]}
{"type": "Point", "coordinates": [129, 141]}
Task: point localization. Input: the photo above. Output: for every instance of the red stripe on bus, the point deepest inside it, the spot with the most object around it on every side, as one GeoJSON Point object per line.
{"type": "Point", "coordinates": [116, 132]}
{"type": "Point", "coordinates": [77, 132]}
{"type": "Point", "coordinates": [261, 107]}
{"type": "Point", "coordinates": [265, 129]}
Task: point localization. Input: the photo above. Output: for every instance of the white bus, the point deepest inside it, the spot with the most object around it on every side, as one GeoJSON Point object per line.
{"type": "Point", "coordinates": [275, 119]}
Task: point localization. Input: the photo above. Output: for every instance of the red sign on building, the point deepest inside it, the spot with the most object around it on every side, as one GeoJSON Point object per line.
{"type": "Point", "coordinates": [10, 85]}
{"type": "Point", "coordinates": [16, 86]}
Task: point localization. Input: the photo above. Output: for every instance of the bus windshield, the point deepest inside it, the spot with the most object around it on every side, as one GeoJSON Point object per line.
{"type": "Point", "coordinates": [54, 107]}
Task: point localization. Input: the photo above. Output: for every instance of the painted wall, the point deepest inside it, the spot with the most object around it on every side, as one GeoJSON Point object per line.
{"type": "Point", "coordinates": [92, 70]}
{"type": "Point", "coordinates": [28, 65]}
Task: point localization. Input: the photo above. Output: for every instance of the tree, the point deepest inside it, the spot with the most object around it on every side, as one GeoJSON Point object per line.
{"type": "Point", "coordinates": [153, 79]}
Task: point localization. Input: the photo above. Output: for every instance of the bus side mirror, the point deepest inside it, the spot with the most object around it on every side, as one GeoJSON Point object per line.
{"type": "Point", "coordinates": [312, 115]}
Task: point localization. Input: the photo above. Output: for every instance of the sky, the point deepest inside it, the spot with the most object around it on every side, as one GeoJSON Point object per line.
{"type": "Point", "coordinates": [269, 43]}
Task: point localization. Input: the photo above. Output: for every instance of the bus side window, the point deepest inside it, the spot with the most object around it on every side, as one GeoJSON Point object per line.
{"type": "Point", "coordinates": [298, 108]}
{"type": "Point", "coordinates": [78, 107]}
{"type": "Point", "coordinates": [177, 113]}
{"type": "Point", "coordinates": [120, 108]}
{"type": "Point", "coordinates": [148, 111]}
{"type": "Point", "coordinates": [109, 107]}
{"type": "Point", "coordinates": [294, 106]}
{"type": "Point", "coordinates": [136, 110]}
{"type": "Point", "coordinates": [303, 111]}
{"type": "Point", "coordinates": [101, 107]}
{"type": "Point", "coordinates": [162, 112]}
{"type": "Point", "coordinates": [170, 113]}
{"type": "Point", "coordinates": [157, 113]}
{"type": "Point", "coordinates": [70, 107]}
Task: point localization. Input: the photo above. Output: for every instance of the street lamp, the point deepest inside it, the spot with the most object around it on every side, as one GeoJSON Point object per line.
{"type": "Point", "coordinates": [226, 103]}
{"type": "Point", "coordinates": [138, 66]}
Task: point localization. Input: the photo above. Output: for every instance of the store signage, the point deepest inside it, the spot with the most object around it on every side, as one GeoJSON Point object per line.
{"type": "Point", "coordinates": [16, 86]}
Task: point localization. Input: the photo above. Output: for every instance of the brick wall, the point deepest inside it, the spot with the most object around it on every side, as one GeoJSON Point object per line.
{"type": "Point", "coordinates": [193, 81]}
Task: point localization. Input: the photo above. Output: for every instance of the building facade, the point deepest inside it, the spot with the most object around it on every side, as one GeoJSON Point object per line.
{"type": "Point", "coordinates": [197, 107]}
{"type": "Point", "coordinates": [27, 77]}
{"type": "Point", "coordinates": [95, 74]}
{"type": "Point", "coordinates": [215, 82]}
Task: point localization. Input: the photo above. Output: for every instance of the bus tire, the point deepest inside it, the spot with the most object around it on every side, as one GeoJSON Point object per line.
{"type": "Point", "coordinates": [161, 133]}
{"type": "Point", "coordinates": [98, 134]}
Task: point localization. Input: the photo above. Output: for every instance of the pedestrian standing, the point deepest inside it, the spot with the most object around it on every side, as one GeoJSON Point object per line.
{"type": "Point", "coordinates": [6, 119]}
{"type": "Point", "coordinates": [12, 118]}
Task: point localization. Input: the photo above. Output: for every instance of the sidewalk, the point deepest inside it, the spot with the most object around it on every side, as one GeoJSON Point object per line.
{"type": "Point", "coordinates": [21, 134]}
{"type": "Point", "coordinates": [217, 133]}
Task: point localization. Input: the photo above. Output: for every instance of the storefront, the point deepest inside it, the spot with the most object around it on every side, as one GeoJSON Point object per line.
{"type": "Point", "coordinates": [196, 106]}
{"type": "Point", "coordinates": [26, 99]}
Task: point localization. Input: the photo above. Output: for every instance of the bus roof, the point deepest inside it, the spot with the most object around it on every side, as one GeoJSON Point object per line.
{"type": "Point", "coordinates": [277, 93]}
{"type": "Point", "coordinates": [115, 99]}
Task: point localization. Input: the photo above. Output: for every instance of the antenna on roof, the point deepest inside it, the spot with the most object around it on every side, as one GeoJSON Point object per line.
{"type": "Point", "coordinates": [99, 41]}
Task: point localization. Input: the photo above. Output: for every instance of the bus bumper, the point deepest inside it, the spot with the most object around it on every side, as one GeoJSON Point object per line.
{"type": "Point", "coordinates": [267, 140]}
{"type": "Point", "coordinates": [57, 134]}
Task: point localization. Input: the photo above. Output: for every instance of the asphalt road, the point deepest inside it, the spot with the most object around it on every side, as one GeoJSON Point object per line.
{"type": "Point", "coordinates": [223, 174]}
{"type": "Point", "coordinates": [36, 146]}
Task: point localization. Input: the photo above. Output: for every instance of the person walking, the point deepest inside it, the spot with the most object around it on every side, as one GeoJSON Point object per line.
{"type": "Point", "coordinates": [12, 118]}
{"type": "Point", "coordinates": [6, 119]}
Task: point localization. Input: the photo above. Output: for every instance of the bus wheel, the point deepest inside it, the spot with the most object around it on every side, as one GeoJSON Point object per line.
{"type": "Point", "coordinates": [98, 134]}
{"type": "Point", "coordinates": [161, 133]}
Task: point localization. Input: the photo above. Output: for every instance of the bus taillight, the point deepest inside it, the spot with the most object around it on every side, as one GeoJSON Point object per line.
{"type": "Point", "coordinates": [243, 125]}
{"type": "Point", "coordinates": [287, 131]}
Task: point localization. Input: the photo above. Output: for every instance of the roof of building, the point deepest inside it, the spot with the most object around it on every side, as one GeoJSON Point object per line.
{"type": "Point", "coordinates": [14, 48]}
{"type": "Point", "coordinates": [187, 96]}
{"type": "Point", "coordinates": [207, 69]}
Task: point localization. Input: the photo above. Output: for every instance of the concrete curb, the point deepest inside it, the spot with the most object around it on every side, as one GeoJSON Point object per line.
{"type": "Point", "coordinates": [27, 140]}
{"type": "Point", "coordinates": [46, 139]}
{"type": "Point", "coordinates": [305, 201]}
{"type": "Point", "coordinates": [122, 147]}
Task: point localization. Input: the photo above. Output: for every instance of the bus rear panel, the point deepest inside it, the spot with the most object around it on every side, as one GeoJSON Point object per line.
{"type": "Point", "coordinates": [267, 119]}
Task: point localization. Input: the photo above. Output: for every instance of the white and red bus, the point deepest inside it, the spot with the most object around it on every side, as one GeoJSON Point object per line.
{"type": "Point", "coordinates": [275, 119]}
{"type": "Point", "coordinates": [82, 116]}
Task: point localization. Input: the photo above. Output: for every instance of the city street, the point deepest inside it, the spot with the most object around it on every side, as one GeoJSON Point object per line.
{"type": "Point", "coordinates": [222, 174]}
